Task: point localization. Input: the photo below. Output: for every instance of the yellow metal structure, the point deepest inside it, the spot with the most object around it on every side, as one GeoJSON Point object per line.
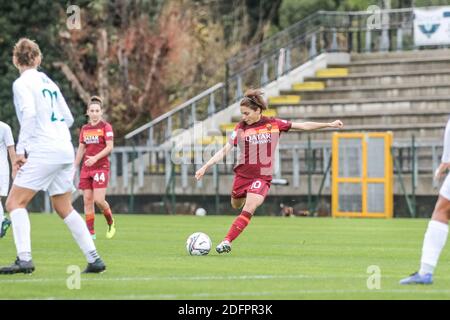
{"type": "Point", "coordinates": [386, 179]}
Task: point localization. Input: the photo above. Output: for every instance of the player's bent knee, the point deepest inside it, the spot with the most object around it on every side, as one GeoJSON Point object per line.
{"type": "Point", "coordinates": [101, 203]}
{"type": "Point", "coordinates": [10, 205]}
{"type": "Point", "coordinates": [237, 204]}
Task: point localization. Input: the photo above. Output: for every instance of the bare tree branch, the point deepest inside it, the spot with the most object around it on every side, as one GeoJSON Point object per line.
{"type": "Point", "coordinates": [76, 85]}
{"type": "Point", "coordinates": [153, 68]}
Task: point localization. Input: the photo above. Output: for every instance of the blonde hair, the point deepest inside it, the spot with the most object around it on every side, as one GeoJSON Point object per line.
{"type": "Point", "coordinates": [254, 99]}
{"type": "Point", "coordinates": [26, 52]}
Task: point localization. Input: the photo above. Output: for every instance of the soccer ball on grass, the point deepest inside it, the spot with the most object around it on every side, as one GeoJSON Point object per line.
{"type": "Point", "coordinates": [198, 244]}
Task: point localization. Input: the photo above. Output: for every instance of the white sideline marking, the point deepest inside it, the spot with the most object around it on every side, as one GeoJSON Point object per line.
{"type": "Point", "coordinates": [168, 278]}
{"type": "Point", "coordinates": [275, 293]}
{"type": "Point", "coordinates": [278, 294]}
{"type": "Point", "coordinates": [101, 278]}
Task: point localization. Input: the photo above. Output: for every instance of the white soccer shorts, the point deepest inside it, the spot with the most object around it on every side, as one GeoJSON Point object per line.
{"type": "Point", "coordinates": [4, 185]}
{"type": "Point", "coordinates": [445, 188]}
{"type": "Point", "coordinates": [56, 178]}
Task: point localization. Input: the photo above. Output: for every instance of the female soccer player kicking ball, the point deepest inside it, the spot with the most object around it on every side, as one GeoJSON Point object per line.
{"type": "Point", "coordinates": [96, 143]}
{"type": "Point", "coordinates": [437, 231]}
{"type": "Point", "coordinates": [44, 159]}
{"type": "Point", "coordinates": [257, 137]}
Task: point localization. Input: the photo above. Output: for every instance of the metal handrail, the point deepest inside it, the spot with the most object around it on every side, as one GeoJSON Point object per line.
{"type": "Point", "coordinates": [323, 31]}
{"type": "Point", "coordinates": [272, 42]}
{"type": "Point", "coordinates": [175, 110]}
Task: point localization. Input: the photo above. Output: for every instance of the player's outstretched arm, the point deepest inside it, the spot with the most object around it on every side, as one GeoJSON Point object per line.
{"type": "Point", "coordinates": [215, 158]}
{"type": "Point", "coordinates": [306, 126]}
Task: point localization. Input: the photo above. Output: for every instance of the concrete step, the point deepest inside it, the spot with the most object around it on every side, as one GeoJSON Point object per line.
{"type": "Point", "coordinates": [387, 77]}
{"type": "Point", "coordinates": [339, 107]}
{"type": "Point", "coordinates": [284, 99]}
{"type": "Point", "coordinates": [309, 86]}
{"type": "Point", "coordinates": [372, 119]}
{"type": "Point", "coordinates": [400, 55]}
{"type": "Point", "coordinates": [397, 65]}
{"type": "Point", "coordinates": [271, 112]}
{"type": "Point", "coordinates": [400, 131]}
{"type": "Point", "coordinates": [331, 72]}
{"type": "Point", "coordinates": [374, 91]}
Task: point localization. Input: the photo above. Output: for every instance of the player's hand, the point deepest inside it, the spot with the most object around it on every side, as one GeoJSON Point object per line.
{"type": "Point", "coordinates": [91, 160]}
{"type": "Point", "coordinates": [18, 162]}
{"type": "Point", "coordinates": [336, 124]}
{"type": "Point", "coordinates": [74, 172]}
{"type": "Point", "coordinates": [440, 172]}
{"type": "Point", "coordinates": [200, 173]}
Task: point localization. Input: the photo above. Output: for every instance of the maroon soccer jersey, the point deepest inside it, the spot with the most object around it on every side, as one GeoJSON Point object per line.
{"type": "Point", "coordinates": [94, 138]}
{"type": "Point", "coordinates": [257, 143]}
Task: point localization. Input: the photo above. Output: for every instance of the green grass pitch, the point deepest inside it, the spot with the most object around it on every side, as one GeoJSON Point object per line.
{"type": "Point", "coordinates": [275, 258]}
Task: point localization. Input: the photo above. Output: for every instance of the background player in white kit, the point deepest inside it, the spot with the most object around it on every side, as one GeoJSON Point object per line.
{"type": "Point", "coordinates": [437, 231]}
{"type": "Point", "coordinates": [6, 147]}
{"type": "Point", "coordinates": [45, 157]}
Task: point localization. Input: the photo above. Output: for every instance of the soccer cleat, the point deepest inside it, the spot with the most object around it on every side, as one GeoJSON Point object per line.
{"type": "Point", "coordinates": [95, 267]}
{"type": "Point", "coordinates": [5, 226]}
{"type": "Point", "coordinates": [416, 278]}
{"type": "Point", "coordinates": [19, 266]}
{"type": "Point", "coordinates": [111, 230]}
{"type": "Point", "coordinates": [224, 246]}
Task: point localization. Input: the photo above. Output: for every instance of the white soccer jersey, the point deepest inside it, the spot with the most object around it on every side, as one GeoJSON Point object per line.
{"type": "Point", "coordinates": [6, 140]}
{"type": "Point", "coordinates": [44, 119]}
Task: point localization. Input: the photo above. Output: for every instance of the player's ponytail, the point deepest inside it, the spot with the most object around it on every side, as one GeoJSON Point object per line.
{"type": "Point", "coordinates": [254, 99]}
{"type": "Point", "coordinates": [26, 53]}
{"type": "Point", "coordinates": [96, 100]}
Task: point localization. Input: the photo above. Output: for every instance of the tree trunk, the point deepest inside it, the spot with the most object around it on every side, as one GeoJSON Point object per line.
{"type": "Point", "coordinates": [103, 63]}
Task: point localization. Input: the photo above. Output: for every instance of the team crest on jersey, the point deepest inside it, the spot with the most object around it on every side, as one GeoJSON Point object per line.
{"type": "Point", "coordinates": [269, 126]}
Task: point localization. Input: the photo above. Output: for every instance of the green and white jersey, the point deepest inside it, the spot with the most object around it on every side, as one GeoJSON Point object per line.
{"type": "Point", "coordinates": [44, 119]}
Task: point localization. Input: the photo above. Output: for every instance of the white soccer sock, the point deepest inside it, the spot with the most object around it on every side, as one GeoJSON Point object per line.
{"type": "Point", "coordinates": [81, 235]}
{"type": "Point", "coordinates": [22, 233]}
{"type": "Point", "coordinates": [433, 243]}
{"type": "Point", "coordinates": [2, 213]}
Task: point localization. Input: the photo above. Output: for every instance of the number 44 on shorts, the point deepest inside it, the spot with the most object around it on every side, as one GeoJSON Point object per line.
{"type": "Point", "coordinates": [99, 177]}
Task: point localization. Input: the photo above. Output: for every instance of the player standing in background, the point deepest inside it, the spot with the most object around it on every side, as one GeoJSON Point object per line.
{"type": "Point", "coordinates": [257, 137]}
{"type": "Point", "coordinates": [95, 144]}
{"type": "Point", "coordinates": [437, 231]}
{"type": "Point", "coordinates": [44, 161]}
{"type": "Point", "coordinates": [6, 146]}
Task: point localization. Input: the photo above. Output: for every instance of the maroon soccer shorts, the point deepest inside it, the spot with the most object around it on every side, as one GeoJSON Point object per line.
{"type": "Point", "coordinates": [93, 179]}
{"type": "Point", "coordinates": [242, 186]}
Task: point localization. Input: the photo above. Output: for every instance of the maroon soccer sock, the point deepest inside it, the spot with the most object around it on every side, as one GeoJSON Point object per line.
{"type": "Point", "coordinates": [108, 216]}
{"type": "Point", "coordinates": [90, 218]}
{"type": "Point", "coordinates": [238, 225]}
